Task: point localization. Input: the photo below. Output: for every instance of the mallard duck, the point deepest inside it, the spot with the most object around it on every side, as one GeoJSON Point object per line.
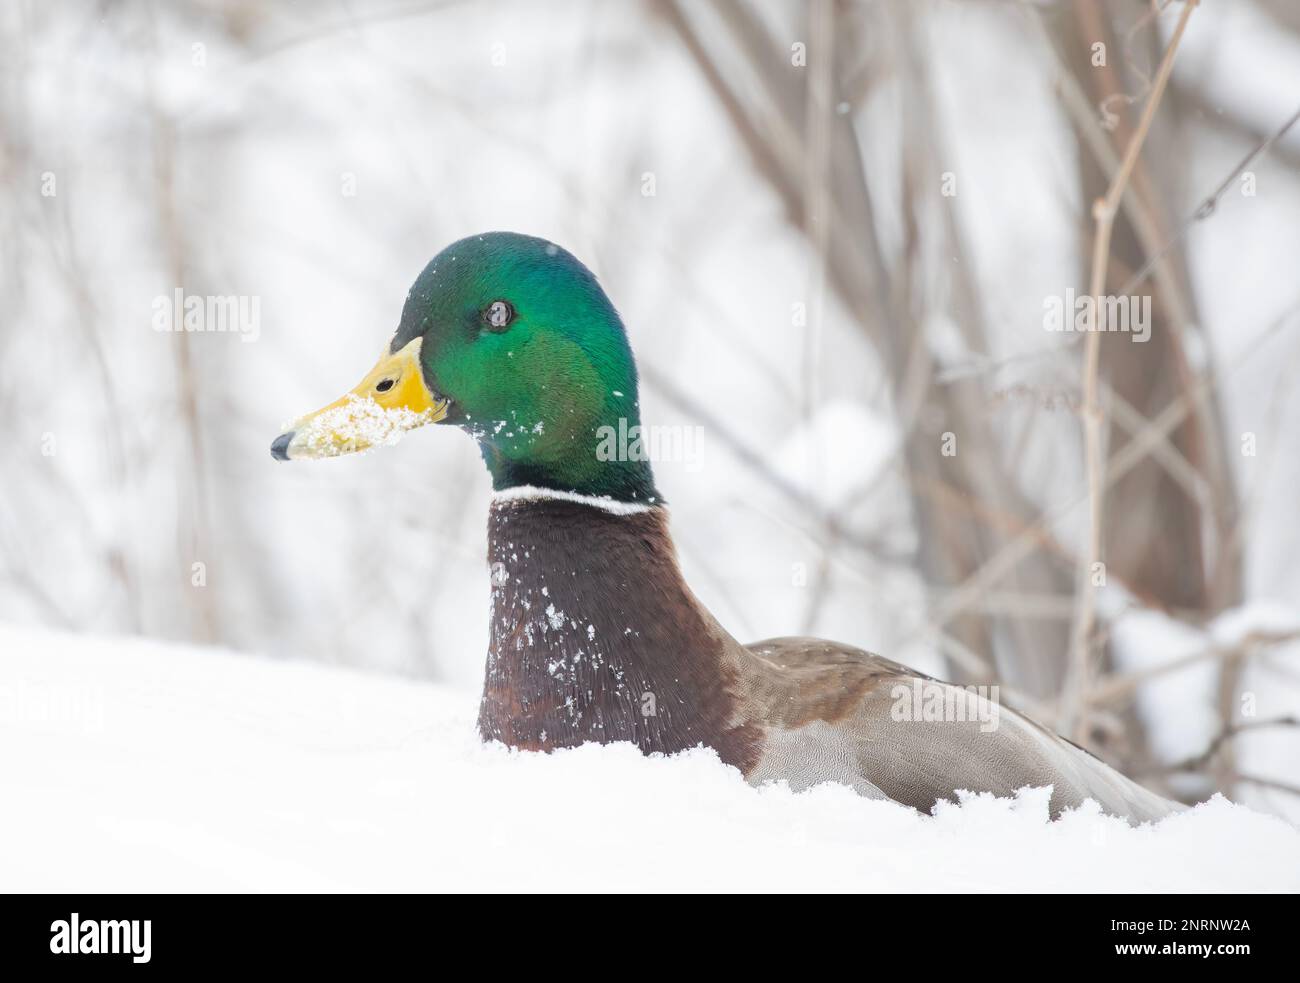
{"type": "Point", "coordinates": [595, 636]}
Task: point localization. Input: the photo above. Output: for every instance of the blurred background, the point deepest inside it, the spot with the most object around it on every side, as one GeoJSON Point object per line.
{"type": "Point", "coordinates": [831, 228]}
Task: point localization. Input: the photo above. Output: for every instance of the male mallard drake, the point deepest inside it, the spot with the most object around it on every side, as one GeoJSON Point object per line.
{"type": "Point", "coordinates": [594, 634]}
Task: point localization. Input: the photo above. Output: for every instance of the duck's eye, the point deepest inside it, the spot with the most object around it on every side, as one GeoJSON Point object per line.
{"type": "Point", "coordinates": [384, 385]}
{"type": "Point", "coordinates": [499, 314]}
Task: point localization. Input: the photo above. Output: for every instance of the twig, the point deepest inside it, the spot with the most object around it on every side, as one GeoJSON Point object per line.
{"type": "Point", "coordinates": [970, 590]}
{"type": "Point", "coordinates": [1198, 762]}
{"type": "Point", "coordinates": [1207, 207]}
{"type": "Point", "coordinates": [1077, 104]}
{"type": "Point", "coordinates": [1117, 686]}
{"type": "Point", "coordinates": [1272, 783]}
{"type": "Point", "coordinates": [1164, 453]}
{"type": "Point", "coordinates": [1104, 213]}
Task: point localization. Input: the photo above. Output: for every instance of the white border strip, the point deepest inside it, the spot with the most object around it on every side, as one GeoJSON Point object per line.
{"type": "Point", "coordinates": [531, 493]}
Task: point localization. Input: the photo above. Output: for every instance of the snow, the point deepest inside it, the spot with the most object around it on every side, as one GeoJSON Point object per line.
{"type": "Point", "coordinates": [358, 423]}
{"type": "Point", "coordinates": [140, 766]}
{"type": "Point", "coordinates": [1236, 626]}
{"type": "Point", "coordinates": [838, 453]}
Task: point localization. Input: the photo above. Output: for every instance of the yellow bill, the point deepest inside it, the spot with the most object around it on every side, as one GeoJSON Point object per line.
{"type": "Point", "coordinates": [389, 401]}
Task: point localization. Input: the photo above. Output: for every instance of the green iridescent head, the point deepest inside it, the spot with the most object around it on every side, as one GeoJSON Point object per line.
{"type": "Point", "coordinates": [512, 339]}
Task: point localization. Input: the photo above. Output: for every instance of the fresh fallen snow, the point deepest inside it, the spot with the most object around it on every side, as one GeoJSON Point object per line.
{"type": "Point", "coordinates": [136, 766]}
{"type": "Point", "coordinates": [1233, 627]}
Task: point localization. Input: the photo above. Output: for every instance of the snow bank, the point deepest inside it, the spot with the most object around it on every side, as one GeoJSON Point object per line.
{"type": "Point", "coordinates": [136, 766]}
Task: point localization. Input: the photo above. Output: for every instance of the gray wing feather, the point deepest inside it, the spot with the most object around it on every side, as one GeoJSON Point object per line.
{"type": "Point", "coordinates": [832, 712]}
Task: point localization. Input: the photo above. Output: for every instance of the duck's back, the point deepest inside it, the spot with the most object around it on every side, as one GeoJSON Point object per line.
{"type": "Point", "coordinates": [831, 712]}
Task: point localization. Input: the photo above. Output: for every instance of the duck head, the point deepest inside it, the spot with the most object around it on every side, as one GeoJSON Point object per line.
{"type": "Point", "coordinates": [511, 339]}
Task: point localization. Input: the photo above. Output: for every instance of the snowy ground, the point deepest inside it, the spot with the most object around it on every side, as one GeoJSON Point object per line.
{"type": "Point", "coordinates": [135, 766]}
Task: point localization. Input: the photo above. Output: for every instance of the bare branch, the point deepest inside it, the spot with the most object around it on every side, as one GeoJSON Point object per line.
{"type": "Point", "coordinates": [1081, 646]}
